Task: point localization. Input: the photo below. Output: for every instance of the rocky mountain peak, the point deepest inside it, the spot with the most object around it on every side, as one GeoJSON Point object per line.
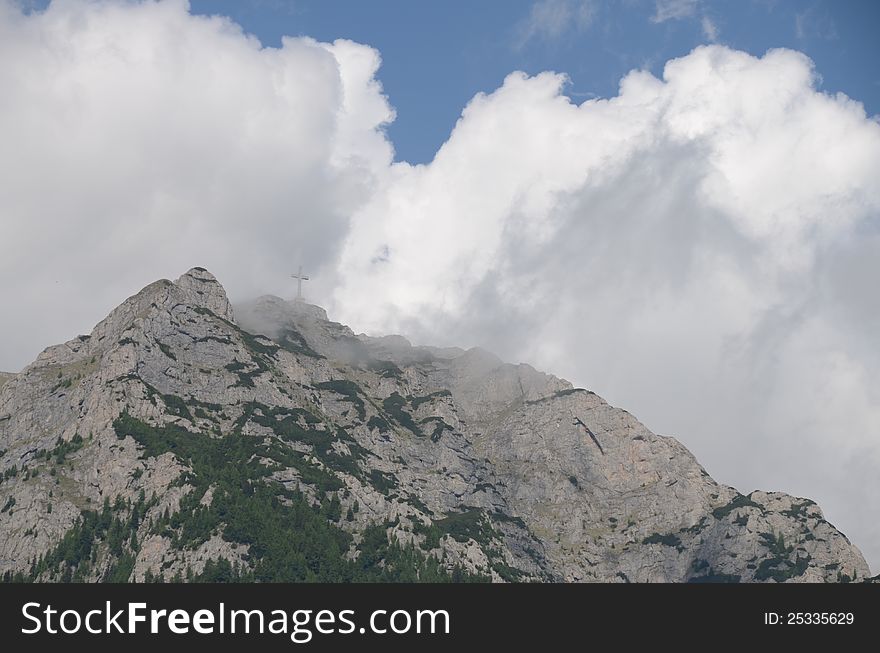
{"type": "Point", "coordinates": [201, 288]}
{"type": "Point", "coordinates": [176, 441]}
{"type": "Point", "coordinates": [269, 314]}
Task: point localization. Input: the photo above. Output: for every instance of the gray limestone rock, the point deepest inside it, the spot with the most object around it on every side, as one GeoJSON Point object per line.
{"type": "Point", "coordinates": [503, 470]}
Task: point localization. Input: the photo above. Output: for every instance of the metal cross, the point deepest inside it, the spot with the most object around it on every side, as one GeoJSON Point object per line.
{"type": "Point", "coordinates": [299, 283]}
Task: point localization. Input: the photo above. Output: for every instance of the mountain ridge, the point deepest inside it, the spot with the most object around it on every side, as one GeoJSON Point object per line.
{"type": "Point", "coordinates": [148, 449]}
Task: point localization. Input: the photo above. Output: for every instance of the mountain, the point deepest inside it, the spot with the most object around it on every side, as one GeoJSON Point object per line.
{"type": "Point", "coordinates": [183, 441]}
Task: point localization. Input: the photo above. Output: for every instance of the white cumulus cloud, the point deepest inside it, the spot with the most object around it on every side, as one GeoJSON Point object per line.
{"type": "Point", "coordinates": [139, 140]}
{"type": "Point", "coordinates": [698, 249]}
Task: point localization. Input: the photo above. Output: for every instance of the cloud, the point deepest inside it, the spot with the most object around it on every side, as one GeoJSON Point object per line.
{"type": "Point", "coordinates": [549, 20]}
{"type": "Point", "coordinates": [811, 23]}
{"type": "Point", "coordinates": [710, 29]}
{"type": "Point", "coordinates": [698, 249]}
{"type": "Point", "coordinates": [673, 10]}
{"type": "Point", "coordinates": [665, 10]}
{"type": "Point", "coordinates": [139, 140]}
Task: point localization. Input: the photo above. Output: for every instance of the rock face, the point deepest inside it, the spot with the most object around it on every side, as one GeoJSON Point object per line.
{"type": "Point", "coordinates": [174, 439]}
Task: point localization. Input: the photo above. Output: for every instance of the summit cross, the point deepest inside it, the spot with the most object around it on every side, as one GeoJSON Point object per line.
{"type": "Point", "coordinates": [299, 283]}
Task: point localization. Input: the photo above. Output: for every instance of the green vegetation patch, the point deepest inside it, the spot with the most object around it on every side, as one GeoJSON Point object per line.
{"type": "Point", "coordinates": [379, 423]}
{"type": "Point", "coordinates": [558, 394]}
{"type": "Point", "coordinates": [10, 472]}
{"type": "Point", "coordinates": [798, 510]}
{"type": "Point", "coordinates": [165, 349]}
{"type": "Point", "coordinates": [780, 569]}
{"type": "Point", "coordinates": [397, 563]}
{"type": "Point", "coordinates": [471, 524]}
{"type": "Point", "coordinates": [350, 392]}
{"type": "Point", "coordinates": [245, 373]}
{"type": "Point", "coordinates": [205, 410]}
{"type": "Point", "coordinates": [294, 342]}
{"type": "Point", "coordinates": [385, 369]}
{"type": "Point", "coordinates": [74, 558]}
{"type": "Point", "coordinates": [394, 406]}
{"type": "Point", "coordinates": [439, 427]}
{"type": "Point", "coordinates": [417, 503]}
{"type": "Point", "coordinates": [507, 573]}
{"type": "Point", "coordinates": [739, 501]}
{"type": "Point", "coordinates": [174, 405]}
{"type": "Point", "coordinates": [61, 450]}
{"type": "Point", "coordinates": [288, 538]}
{"type": "Point", "coordinates": [287, 424]}
{"type": "Point", "coordinates": [779, 566]}
{"type": "Point", "coordinates": [775, 544]}
{"type": "Point", "coordinates": [258, 344]}
{"type": "Point", "coordinates": [666, 540]}
{"type": "Point", "coordinates": [382, 481]}
{"type": "Point", "coordinates": [505, 518]}
{"type": "Point", "coordinates": [569, 391]}
{"type": "Point", "coordinates": [418, 401]}
{"type": "Point", "coordinates": [698, 527]}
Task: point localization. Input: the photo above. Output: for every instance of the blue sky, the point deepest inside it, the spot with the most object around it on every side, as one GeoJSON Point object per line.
{"type": "Point", "coordinates": [438, 55]}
